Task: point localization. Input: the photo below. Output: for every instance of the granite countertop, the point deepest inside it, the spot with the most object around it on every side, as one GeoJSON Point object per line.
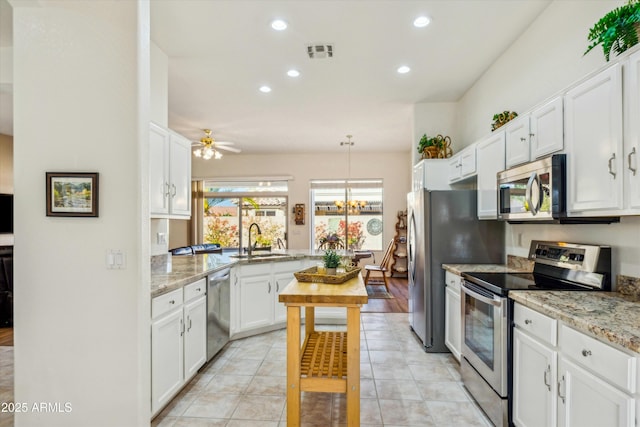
{"type": "Point", "coordinates": [609, 316]}
{"type": "Point", "coordinates": [173, 272]}
{"type": "Point", "coordinates": [514, 264]}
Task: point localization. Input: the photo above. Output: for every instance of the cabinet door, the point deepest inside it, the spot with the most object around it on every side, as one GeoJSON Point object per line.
{"type": "Point", "coordinates": [180, 172]}
{"type": "Point", "coordinates": [632, 132]}
{"type": "Point", "coordinates": [158, 170]}
{"type": "Point", "coordinates": [455, 172]}
{"type": "Point", "coordinates": [585, 400]}
{"type": "Point", "coordinates": [256, 302]}
{"type": "Point", "coordinates": [593, 140]}
{"type": "Point", "coordinates": [452, 325]}
{"type": "Point", "coordinates": [490, 159]}
{"type": "Point", "coordinates": [547, 133]}
{"type": "Point", "coordinates": [534, 382]}
{"type": "Point", "coordinates": [195, 337]}
{"type": "Point", "coordinates": [517, 141]}
{"type": "Point", "coordinates": [166, 358]}
{"type": "Point", "coordinates": [468, 162]}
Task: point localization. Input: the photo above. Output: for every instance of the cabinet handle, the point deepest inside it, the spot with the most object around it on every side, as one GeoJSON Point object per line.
{"type": "Point", "coordinates": [586, 353]}
{"type": "Point", "coordinates": [633, 152]}
{"type": "Point", "coordinates": [172, 301]}
{"type": "Point", "coordinates": [611, 159]}
{"type": "Point", "coordinates": [523, 139]}
{"type": "Point", "coordinates": [560, 384]}
{"type": "Point", "coordinates": [547, 372]}
{"type": "Point", "coordinates": [175, 191]}
{"type": "Point", "coordinates": [168, 192]}
{"type": "Point", "coordinates": [269, 287]}
{"type": "Point", "coordinates": [181, 327]}
{"type": "Point", "coordinates": [277, 286]}
{"type": "Point", "coordinates": [528, 322]}
{"type": "Point", "coordinates": [190, 323]}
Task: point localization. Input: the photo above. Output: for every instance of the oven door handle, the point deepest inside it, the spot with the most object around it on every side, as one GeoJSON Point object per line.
{"type": "Point", "coordinates": [496, 301]}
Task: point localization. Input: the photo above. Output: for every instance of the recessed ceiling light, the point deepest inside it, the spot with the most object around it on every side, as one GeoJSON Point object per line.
{"type": "Point", "coordinates": [403, 69]}
{"type": "Point", "coordinates": [278, 25]}
{"type": "Point", "coordinates": [265, 89]}
{"type": "Point", "coordinates": [293, 73]}
{"type": "Point", "coordinates": [421, 21]}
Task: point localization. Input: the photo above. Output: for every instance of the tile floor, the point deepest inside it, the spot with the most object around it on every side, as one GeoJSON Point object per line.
{"type": "Point", "coordinates": [401, 385]}
{"type": "Point", "coordinates": [6, 384]}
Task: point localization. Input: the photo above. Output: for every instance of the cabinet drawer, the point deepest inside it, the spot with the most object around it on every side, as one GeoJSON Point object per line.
{"type": "Point", "coordinates": [195, 289]}
{"type": "Point", "coordinates": [165, 303]}
{"type": "Point", "coordinates": [537, 324]}
{"type": "Point", "coordinates": [617, 367]}
{"type": "Point", "coordinates": [453, 280]}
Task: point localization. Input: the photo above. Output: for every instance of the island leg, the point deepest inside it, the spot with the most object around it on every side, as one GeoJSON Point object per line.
{"type": "Point", "coordinates": [353, 366]}
{"type": "Point", "coordinates": [293, 366]}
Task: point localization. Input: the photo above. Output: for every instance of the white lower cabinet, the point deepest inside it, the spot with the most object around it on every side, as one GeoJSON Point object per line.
{"type": "Point", "coordinates": [585, 400]}
{"type": "Point", "coordinates": [254, 296]}
{"type": "Point", "coordinates": [178, 340]}
{"type": "Point", "coordinates": [534, 379]}
{"type": "Point", "coordinates": [453, 313]}
{"type": "Point", "coordinates": [593, 383]}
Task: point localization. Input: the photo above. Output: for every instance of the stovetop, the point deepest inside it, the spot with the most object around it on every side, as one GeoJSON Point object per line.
{"type": "Point", "coordinates": [557, 266]}
{"type": "Point", "coordinates": [502, 283]}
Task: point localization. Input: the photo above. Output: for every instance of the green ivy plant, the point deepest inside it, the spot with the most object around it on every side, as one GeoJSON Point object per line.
{"type": "Point", "coordinates": [425, 142]}
{"type": "Point", "coordinates": [616, 31]}
{"type": "Point", "coordinates": [331, 259]}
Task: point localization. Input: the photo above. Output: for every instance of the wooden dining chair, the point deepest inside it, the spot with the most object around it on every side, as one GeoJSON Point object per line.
{"type": "Point", "coordinates": [380, 269]}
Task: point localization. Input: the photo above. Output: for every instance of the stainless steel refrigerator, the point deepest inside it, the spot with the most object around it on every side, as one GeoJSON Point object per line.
{"type": "Point", "coordinates": [443, 229]}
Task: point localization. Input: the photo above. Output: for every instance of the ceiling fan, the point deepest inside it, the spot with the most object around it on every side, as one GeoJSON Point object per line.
{"type": "Point", "coordinates": [207, 147]}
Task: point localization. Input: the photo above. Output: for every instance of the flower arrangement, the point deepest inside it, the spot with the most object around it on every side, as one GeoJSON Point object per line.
{"type": "Point", "coordinates": [500, 119]}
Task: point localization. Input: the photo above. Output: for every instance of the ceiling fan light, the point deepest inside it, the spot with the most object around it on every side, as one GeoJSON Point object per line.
{"type": "Point", "coordinates": [217, 155]}
{"type": "Point", "coordinates": [198, 152]}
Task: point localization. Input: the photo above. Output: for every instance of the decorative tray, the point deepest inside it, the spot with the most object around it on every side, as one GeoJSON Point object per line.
{"type": "Point", "coordinates": [311, 275]}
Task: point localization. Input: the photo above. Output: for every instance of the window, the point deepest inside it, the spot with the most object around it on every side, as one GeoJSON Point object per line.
{"type": "Point", "coordinates": [347, 214]}
{"type": "Point", "coordinates": [227, 209]}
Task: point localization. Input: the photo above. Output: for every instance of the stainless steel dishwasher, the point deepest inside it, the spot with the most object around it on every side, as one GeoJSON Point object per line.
{"type": "Point", "coordinates": [218, 308]}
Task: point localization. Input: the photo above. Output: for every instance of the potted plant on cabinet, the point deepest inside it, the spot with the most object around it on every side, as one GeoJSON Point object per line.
{"type": "Point", "coordinates": [331, 261]}
{"type": "Point", "coordinates": [617, 31]}
{"type": "Point", "coordinates": [428, 147]}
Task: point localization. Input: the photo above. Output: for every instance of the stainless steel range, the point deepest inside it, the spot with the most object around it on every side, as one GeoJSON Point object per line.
{"type": "Point", "coordinates": [487, 314]}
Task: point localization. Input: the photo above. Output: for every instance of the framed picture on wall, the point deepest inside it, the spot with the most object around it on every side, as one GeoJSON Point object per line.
{"type": "Point", "coordinates": [73, 194]}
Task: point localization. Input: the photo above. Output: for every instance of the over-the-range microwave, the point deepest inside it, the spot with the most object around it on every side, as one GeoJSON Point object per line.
{"type": "Point", "coordinates": [536, 192]}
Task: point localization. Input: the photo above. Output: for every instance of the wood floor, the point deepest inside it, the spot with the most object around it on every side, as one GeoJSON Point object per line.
{"type": "Point", "coordinates": [399, 288]}
{"type": "Point", "coordinates": [6, 337]}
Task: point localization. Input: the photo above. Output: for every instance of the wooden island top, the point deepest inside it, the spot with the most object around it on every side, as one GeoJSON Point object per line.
{"type": "Point", "coordinates": [350, 292]}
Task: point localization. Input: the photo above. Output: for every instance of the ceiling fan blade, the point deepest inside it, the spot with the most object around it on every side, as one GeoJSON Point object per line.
{"type": "Point", "coordinates": [227, 148]}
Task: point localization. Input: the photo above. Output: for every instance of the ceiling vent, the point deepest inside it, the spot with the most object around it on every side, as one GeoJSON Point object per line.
{"type": "Point", "coordinates": [318, 50]}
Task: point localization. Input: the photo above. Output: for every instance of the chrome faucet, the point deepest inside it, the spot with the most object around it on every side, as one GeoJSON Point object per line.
{"type": "Point", "coordinates": [250, 248]}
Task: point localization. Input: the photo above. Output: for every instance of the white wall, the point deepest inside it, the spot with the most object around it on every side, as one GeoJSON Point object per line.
{"type": "Point", "coordinates": [544, 60]}
{"type": "Point", "coordinates": [81, 86]}
{"type": "Point", "coordinates": [393, 167]}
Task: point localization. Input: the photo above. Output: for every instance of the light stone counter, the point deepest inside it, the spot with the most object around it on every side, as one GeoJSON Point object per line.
{"type": "Point", "coordinates": [514, 265]}
{"type": "Point", "coordinates": [172, 272]}
{"type": "Point", "coordinates": [609, 316]}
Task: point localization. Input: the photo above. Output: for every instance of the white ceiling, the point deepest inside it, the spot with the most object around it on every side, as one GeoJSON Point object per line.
{"type": "Point", "coordinates": [221, 51]}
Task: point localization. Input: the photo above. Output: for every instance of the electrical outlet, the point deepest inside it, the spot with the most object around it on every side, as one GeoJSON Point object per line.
{"type": "Point", "coordinates": [161, 238]}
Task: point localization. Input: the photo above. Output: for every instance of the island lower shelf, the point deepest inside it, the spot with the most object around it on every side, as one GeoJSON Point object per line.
{"type": "Point", "coordinates": [323, 365]}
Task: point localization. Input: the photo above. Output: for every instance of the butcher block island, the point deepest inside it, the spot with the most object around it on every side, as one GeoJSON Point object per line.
{"type": "Point", "coordinates": [328, 361]}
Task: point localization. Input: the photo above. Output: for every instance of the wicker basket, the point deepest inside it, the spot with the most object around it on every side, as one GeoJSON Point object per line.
{"type": "Point", "coordinates": [311, 275]}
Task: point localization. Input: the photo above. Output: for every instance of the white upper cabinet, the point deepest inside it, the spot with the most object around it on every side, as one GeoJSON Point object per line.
{"type": "Point", "coordinates": [547, 133]}
{"type": "Point", "coordinates": [490, 159]}
{"type": "Point", "coordinates": [536, 134]}
{"type": "Point", "coordinates": [463, 164]}
{"type": "Point", "coordinates": [517, 141]}
{"type": "Point", "coordinates": [593, 139]}
{"type": "Point", "coordinates": [632, 133]}
{"type": "Point", "coordinates": [169, 173]}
